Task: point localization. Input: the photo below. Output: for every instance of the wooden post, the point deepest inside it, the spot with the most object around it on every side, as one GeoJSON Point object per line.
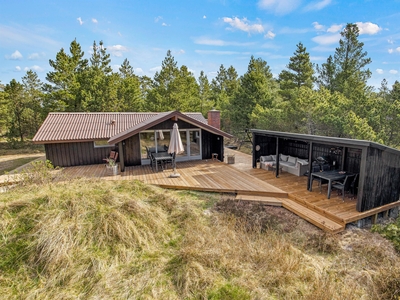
{"type": "Point", "coordinates": [360, 207]}
{"type": "Point", "coordinates": [374, 218]}
{"type": "Point", "coordinates": [386, 214]}
{"type": "Point", "coordinates": [277, 158]}
{"type": "Point", "coordinates": [310, 154]}
{"type": "Point", "coordinates": [254, 151]}
{"type": "Point", "coordinates": [121, 156]}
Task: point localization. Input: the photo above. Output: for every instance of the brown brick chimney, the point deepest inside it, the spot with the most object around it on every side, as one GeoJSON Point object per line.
{"type": "Point", "coordinates": [214, 118]}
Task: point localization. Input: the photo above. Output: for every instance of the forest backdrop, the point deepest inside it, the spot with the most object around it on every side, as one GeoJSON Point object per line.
{"type": "Point", "coordinates": [331, 99]}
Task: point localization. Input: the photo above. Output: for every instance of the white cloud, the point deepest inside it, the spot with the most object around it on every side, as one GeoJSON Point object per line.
{"type": "Point", "coordinates": [18, 35]}
{"type": "Point", "coordinates": [36, 56]}
{"type": "Point", "coordinates": [390, 41]}
{"type": "Point", "coordinates": [117, 50]}
{"type": "Point", "coordinates": [138, 71]}
{"type": "Point", "coordinates": [335, 28]}
{"type": "Point", "coordinates": [164, 24]}
{"type": "Point", "coordinates": [270, 35]}
{"type": "Point", "coordinates": [390, 51]}
{"type": "Point", "coordinates": [398, 49]}
{"type": "Point", "coordinates": [323, 49]}
{"type": "Point", "coordinates": [80, 20]}
{"type": "Point", "coordinates": [35, 68]}
{"type": "Point", "coordinates": [216, 52]}
{"type": "Point", "coordinates": [212, 42]}
{"type": "Point", "coordinates": [156, 19]}
{"type": "Point", "coordinates": [318, 26]}
{"type": "Point", "coordinates": [18, 68]}
{"type": "Point", "coordinates": [181, 51]}
{"type": "Point", "coordinates": [280, 7]}
{"type": "Point", "coordinates": [244, 25]}
{"type": "Point", "coordinates": [119, 33]}
{"type": "Point", "coordinates": [94, 20]}
{"type": "Point", "coordinates": [155, 69]}
{"type": "Point", "coordinates": [379, 71]}
{"type": "Point", "coordinates": [327, 39]}
{"type": "Point", "coordinates": [16, 55]}
{"type": "Point", "coordinates": [368, 28]}
{"type": "Point", "coordinates": [204, 17]}
{"type": "Point", "coordinates": [317, 5]}
{"type": "Point", "coordinates": [394, 72]}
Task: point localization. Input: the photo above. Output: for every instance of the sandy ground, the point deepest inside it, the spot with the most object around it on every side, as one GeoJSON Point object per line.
{"type": "Point", "coordinates": [6, 161]}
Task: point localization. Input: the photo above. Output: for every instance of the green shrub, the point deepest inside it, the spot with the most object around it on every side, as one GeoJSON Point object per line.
{"type": "Point", "coordinates": [390, 231]}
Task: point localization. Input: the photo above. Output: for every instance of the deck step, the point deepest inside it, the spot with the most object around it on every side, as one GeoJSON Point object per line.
{"type": "Point", "coordinates": [273, 201]}
{"type": "Point", "coordinates": [313, 217]}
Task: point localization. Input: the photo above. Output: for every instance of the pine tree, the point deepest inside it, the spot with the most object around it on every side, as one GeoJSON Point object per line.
{"type": "Point", "coordinates": [204, 93]}
{"type": "Point", "coordinates": [327, 75]}
{"type": "Point", "coordinates": [33, 89]}
{"type": "Point", "coordinates": [257, 86]}
{"type": "Point", "coordinates": [64, 87]}
{"type": "Point", "coordinates": [300, 70]}
{"type": "Point", "coordinates": [17, 125]}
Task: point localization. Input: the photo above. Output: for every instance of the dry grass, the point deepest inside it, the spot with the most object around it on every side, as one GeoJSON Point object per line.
{"type": "Point", "coordinates": [112, 240]}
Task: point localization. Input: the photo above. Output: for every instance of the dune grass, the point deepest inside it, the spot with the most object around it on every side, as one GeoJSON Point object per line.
{"type": "Point", "coordinates": [113, 240]}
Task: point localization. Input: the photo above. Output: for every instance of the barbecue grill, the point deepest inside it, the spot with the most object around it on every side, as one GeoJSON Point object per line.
{"type": "Point", "coordinates": [323, 162]}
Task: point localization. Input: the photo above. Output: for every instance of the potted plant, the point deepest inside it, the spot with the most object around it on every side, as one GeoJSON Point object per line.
{"type": "Point", "coordinates": [112, 166]}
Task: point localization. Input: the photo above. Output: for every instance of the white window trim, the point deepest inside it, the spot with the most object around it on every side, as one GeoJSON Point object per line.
{"type": "Point", "coordinates": [102, 146]}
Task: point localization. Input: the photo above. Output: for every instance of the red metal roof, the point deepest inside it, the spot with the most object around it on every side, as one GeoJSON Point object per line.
{"type": "Point", "coordinates": [68, 127]}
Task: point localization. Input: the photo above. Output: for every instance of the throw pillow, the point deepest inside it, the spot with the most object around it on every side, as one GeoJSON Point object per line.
{"type": "Point", "coordinates": [292, 159]}
{"type": "Point", "coordinates": [284, 157]}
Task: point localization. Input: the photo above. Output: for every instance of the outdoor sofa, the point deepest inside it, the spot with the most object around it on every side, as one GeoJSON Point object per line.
{"type": "Point", "coordinates": [290, 164]}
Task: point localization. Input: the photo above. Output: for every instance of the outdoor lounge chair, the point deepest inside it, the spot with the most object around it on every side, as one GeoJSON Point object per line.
{"type": "Point", "coordinates": [113, 155]}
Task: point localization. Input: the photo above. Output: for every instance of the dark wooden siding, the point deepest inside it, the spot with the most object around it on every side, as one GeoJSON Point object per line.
{"type": "Point", "coordinates": [212, 143]}
{"type": "Point", "coordinates": [169, 125]}
{"type": "Point", "coordinates": [294, 148]}
{"type": "Point", "coordinates": [267, 146]}
{"type": "Point", "coordinates": [75, 154]}
{"type": "Point", "coordinates": [382, 179]}
{"type": "Point", "coordinates": [353, 160]}
{"type": "Point", "coordinates": [132, 153]}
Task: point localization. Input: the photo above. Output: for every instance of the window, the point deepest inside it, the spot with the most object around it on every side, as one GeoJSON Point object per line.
{"type": "Point", "coordinates": [102, 144]}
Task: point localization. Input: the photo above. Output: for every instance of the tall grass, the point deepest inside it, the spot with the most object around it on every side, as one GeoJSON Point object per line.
{"type": "Point", "coordinates": [113, 240]}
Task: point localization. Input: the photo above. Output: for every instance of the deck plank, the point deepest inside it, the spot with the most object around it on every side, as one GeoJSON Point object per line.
{"type": "Point", "coordinates": [251, 184]}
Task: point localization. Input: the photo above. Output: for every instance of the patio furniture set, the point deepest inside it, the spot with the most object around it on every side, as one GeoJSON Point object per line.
{"type": "Point", "coordinates": [160, 158]}
{"type": "Point", "coordinates": [321, 172]}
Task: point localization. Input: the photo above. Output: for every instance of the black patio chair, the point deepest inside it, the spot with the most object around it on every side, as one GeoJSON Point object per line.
{"type": "Point", "coordinates": [345, 186]}
{"type": "Point", "coordinates": [154, 163]}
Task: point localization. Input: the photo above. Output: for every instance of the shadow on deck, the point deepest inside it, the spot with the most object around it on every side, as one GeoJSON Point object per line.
{"type": "Point", "coordinates": [256, 185]}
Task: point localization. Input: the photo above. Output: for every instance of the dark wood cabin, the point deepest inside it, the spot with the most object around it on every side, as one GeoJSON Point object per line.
{"type": "Point", "coordinates": [378, 166]}
{"type": "Point", "coordinates": [73, 139]}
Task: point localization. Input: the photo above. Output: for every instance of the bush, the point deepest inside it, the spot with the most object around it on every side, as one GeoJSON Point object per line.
{"type": "Point", "coordinates": [390, 231]}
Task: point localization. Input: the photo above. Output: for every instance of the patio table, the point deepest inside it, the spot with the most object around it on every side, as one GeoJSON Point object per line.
{"type": "Point", "coordinates": [330, 176]}
{"type": "Point", "coordinates": [161, 156]}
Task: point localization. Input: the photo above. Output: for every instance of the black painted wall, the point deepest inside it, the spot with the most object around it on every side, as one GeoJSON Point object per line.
{"type": "Point", "coordinates": [76, 154]}
{"type": "Point", "coordinates": [382, 179]}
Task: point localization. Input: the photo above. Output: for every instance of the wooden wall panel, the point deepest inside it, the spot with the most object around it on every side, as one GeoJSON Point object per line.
{"type": "Point", "coordinates": [169, 125]}
{"type": "Point", "coordinates": [212, 143]}
{"type": "Point", "coordinates": [382, 179]}
{"type": "Point", "coordinates": [132, 153]}
{"type": "Point", "coordinates": [75, 154]}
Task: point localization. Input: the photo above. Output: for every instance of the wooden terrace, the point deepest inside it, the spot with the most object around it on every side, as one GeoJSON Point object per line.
{"type": "Point", "coordinates": [248, 184]}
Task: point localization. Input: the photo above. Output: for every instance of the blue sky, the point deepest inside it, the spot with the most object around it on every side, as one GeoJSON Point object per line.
{"type": "Point", "coordinates": [200, 34]}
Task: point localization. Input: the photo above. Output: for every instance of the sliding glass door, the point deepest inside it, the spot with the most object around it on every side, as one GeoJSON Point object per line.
{"type": "Point", "coordinates": [158, 141]}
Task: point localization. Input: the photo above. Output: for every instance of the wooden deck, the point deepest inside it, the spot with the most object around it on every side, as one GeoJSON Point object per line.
{"type": "Point", "coordinates": [249, 184]}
